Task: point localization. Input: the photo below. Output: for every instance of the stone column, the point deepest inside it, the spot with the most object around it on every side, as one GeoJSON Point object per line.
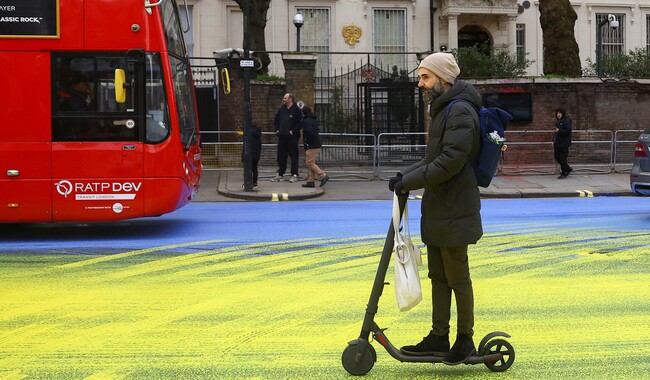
{"type": "Point", "coordinates": [299, 75]}
{"type": "Point", "coordinates": [512, 34]}
{"type": "Point", "coordinates": [452, 29]}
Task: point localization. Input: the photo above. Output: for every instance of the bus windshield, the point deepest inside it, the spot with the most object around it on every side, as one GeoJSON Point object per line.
{"type": "Point", "coordinates": [181, 74]}
{"type": "Point", "coordinates": [185, 101]}
{"type": "Point", "coordinates": [173, 31]}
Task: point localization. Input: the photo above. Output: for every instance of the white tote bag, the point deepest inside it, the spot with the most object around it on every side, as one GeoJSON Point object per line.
{"type": "Point", "coordinates": [408, 257]}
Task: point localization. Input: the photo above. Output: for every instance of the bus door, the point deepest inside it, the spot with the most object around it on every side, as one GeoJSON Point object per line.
{"type": "Point", "coordinates": [97, 143]}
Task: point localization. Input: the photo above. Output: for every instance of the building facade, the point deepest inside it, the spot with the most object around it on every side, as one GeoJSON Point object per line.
{"type": "Point", "coordinates": [356, 29]}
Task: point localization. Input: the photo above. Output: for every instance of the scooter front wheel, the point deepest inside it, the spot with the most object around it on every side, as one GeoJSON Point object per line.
{"type": "Point", "coordinates": [503, 347]}
{"type": "Point", "coordinates": [368, 359]}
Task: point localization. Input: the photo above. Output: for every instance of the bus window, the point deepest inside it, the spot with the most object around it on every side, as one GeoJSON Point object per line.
{"type": "Point", "coordinates": [84, 106]}
{"type": "Point", "coordinates": [181, 73]}
{"type": "Point", "coordinates": [185, 102]}
{"type": "Point", "coordinates": [173, 31]}
{"type": "Point", "coordinates": [157, 128]}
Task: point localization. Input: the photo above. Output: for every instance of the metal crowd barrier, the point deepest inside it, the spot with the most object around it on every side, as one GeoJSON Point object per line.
{"type": "Point", "coordinates": [396, 151]}
{"type": "Point", "coordinates": [624, 142]}
{"type": "Point", "coordinates": [367, 156]}
{"type": "Point", "coordinates": [592, 150]}
{"type": "Point", "coordinates": [342, 154]}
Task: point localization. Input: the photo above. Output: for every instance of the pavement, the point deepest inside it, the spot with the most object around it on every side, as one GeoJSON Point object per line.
{"type": "Point", "coordinates": [226, 185]}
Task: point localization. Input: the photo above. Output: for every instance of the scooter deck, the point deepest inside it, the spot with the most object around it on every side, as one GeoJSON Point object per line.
{"type": "Point", "coordinates": [439, 357]}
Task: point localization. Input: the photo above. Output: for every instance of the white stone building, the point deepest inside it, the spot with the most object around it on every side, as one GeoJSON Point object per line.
{"type": "Point", "coordinates": [359, 28]}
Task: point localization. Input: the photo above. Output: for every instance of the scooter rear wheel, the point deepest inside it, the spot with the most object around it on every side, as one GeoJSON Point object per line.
{"type": "Point", "coordinates": [348, 359]}
{"type": "Point", "coordinates": [503, 347]}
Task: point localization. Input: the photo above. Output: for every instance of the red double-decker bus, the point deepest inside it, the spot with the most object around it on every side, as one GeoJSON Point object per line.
{"type": "Point", "coordinates": [98, 119]}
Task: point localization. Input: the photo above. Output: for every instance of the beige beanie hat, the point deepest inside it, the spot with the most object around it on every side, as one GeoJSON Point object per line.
{"type": "Point", "coordinates": [443, 65]}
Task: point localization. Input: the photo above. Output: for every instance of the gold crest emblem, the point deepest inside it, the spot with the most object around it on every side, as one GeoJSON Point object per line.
{"type": "Point", "coordinates": [351, 34]}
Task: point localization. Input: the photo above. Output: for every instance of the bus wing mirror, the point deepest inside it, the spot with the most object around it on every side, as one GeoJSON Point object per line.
{"type": "Point", "coordinates": [225, 81]}
{"type": "Point", "coordinates": [120, 89]}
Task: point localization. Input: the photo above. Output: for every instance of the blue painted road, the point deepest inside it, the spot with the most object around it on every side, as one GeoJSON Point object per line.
{"type": "Point", "coordinates": [277, 221]}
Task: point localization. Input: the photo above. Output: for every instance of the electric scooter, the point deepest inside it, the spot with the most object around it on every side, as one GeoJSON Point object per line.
{"type": "Point", "coordinates": [360, 356]}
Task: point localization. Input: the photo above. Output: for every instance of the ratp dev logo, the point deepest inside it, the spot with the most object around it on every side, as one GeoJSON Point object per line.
{"type": "Point", "coordinates": [64, 187]}
{"type": "Point", "coordinates": [95, 191]}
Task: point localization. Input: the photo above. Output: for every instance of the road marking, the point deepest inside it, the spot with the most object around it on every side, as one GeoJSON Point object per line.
{"type": "Point", "coordinates": [279, 197]}
{"type": "Point", "coordinates": [585, 193]}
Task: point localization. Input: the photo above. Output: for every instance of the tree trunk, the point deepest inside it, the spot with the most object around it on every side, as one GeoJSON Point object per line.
{"type": "Point", "coordinates": [256, 26]}
{"type": "Point", "coordinates": [561, 52]}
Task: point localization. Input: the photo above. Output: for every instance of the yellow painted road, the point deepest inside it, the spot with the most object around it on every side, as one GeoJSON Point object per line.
{"type": "Point", "coordinates": [577, 308]}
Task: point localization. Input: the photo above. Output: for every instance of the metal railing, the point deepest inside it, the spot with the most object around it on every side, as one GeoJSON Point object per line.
{"type": "Point", "coordinates": [398, 150]}
{"type": "Point", "coordinates": [365, 156]}
{"type": "Point", "coordinates": [623, 155]}
{"type": "Point", "coordinates": [532, 152]}
{"type": "Point", "coordinates": [342, 155]}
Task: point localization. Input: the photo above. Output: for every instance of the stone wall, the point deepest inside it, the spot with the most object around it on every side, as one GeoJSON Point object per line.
{"type": "Point", "coordinates": [266, 98]}
{"type": "Point", "coordinates": [598, 110]}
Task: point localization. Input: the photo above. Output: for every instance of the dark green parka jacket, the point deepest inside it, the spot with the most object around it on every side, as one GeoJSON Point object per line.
{"type": "Point", "coordinates": [451, 203]}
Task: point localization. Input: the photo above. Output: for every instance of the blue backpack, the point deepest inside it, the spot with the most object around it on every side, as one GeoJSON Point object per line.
{"type": "Point", "coordinates": [493, 123]}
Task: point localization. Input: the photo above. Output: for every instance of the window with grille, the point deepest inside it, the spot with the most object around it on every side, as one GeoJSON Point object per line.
{"type": "Point", "coordinates": [647, 33]}
{"type": "Point", "coordinates": [613, 40]}
{"type": "Point", "coordinates": [521, 43]}
{"type": "Point", "coordinates": [389, 36]}
{"type": "Point", "coordinates": [315, 36]}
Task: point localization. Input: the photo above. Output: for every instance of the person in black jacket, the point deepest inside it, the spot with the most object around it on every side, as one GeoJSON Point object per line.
{"type": "Point", "coordinates": [79, 96]}
{"type": "Point", "coordinates": [451, 204]}
{"type": "Point", "coordinates": [311, 141]}
{"type": "Point", "coordinates": [562, 142]}
{"type": "Point", "coordinates": [256, 152]}
{"type": "Point", "coordinates": [287, 128]}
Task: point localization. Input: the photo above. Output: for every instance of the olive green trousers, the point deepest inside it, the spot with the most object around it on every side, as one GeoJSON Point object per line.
{"type": "Point", "coordinates": [449, 271]}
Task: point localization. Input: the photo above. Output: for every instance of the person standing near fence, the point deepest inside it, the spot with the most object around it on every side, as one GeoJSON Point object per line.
{"type": "Point", "coordinates": [451, 204]}
{"type": "Point", "coordinates": [256, 152]}
{"type": "Point", "coordinates": [312, 143]}
{"type": "Point", "coordinates": [562, 142]}
{"type": "Point", "coordinates": [287, 128]}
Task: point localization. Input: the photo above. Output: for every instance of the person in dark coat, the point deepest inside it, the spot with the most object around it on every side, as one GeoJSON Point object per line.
{"type": "Point", "coordinates": [79, 96]}
{"type": "Point", "coordinates": [256, 152]}
{"type": "Point", "coordinates": [562, 142]}
{"type": "Point", "coordinates": [451, 204]}
{"type": "Point", "coordinates": [287, 128]}
{"type": "Point", "coordinates": [312, 144]}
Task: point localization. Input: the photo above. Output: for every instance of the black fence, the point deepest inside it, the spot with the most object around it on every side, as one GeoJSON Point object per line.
{"type": "Point", "coordinates": [368, 93]}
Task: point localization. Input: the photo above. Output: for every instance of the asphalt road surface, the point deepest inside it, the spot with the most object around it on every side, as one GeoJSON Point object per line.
{"type": "Point", "coordinates": [242, 222]}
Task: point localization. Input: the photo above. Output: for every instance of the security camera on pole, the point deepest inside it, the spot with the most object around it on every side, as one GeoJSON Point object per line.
{"type": "Point", "coordinates": [613, 23]}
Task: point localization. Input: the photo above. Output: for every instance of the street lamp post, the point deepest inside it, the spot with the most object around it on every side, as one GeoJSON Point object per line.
{"type": "Point", "coordinates": [613, 23]}
{"type": "Point", "coordinates": [298, 21]}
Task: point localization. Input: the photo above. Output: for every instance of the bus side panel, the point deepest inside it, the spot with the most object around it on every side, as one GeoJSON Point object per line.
{"type": "Point", "coordinates": [167, 163]}
{"type": "Point", "coordinates": [97, 181]}
{"type": "Point", "coordinates": [122, 33]}
{"type": "Point", "coordinates": [25, 182]}
{"type": "Point", "coordinates": [96, 200]}
{"type": "Point", "coordinates": [176, 195]}
{"type": "Point", "coordinates": [25, 106]}
{"type": "Point", "coordinates": [25, 150]}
